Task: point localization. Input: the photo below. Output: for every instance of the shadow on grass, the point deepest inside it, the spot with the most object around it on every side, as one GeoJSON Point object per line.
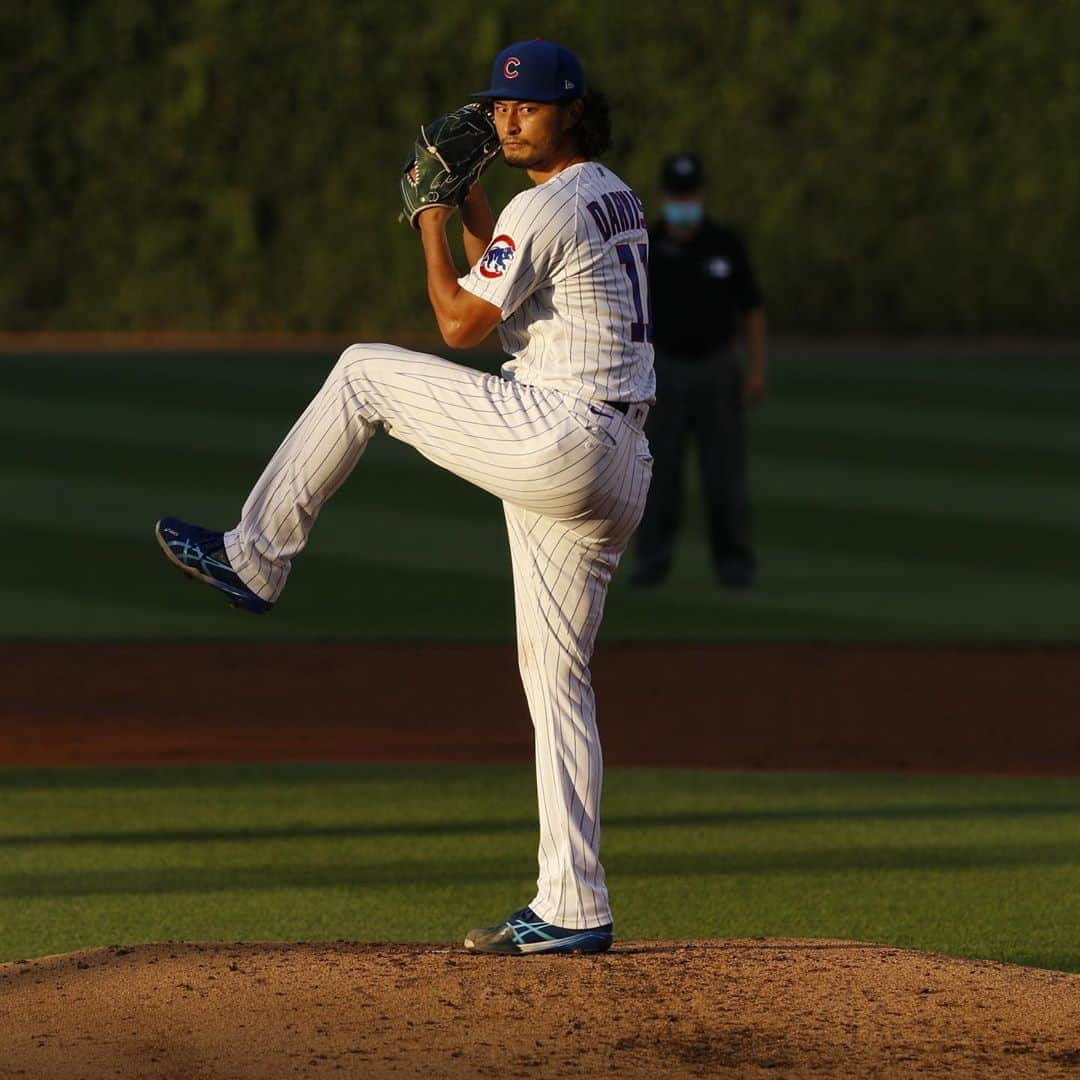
{"type": "Point", "coordinates": [717, 819]}
{"type": "Point", "coordinates": [477, 864]}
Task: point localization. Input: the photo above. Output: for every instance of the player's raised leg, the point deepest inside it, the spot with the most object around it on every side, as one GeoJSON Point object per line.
{"type": "Point", "coordinates": [518, 442]}
{"type": "Point", "coordinates": [410, 394]}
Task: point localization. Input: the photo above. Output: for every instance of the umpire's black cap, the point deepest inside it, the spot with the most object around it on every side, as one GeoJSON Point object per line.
{"type": "Point", "coordinates": [681, 174]}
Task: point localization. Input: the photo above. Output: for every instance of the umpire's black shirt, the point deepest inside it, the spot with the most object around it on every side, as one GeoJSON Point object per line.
{"type": "Point", "coordinates": [700, 288]}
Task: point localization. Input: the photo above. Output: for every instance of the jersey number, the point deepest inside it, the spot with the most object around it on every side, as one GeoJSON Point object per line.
{"type": "Point", "coordinates": [642, 328]}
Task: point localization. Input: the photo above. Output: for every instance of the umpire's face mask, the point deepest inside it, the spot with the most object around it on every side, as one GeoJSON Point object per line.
{"type": "Point", "coordinates": [683, 213]}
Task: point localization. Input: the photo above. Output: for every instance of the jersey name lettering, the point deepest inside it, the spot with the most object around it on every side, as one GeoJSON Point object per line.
{"type": "Point", "coordinates": [617, 212]}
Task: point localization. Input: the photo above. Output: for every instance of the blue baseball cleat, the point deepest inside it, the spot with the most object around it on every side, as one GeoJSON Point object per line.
{"type": "Point", "coordinates": [525, 932]}
{"type": "Point", "coordinates": [200, 553]}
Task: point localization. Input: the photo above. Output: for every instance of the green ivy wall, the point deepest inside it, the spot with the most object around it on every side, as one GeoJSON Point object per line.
{"type": "Point", "coordinates": [900, 166]}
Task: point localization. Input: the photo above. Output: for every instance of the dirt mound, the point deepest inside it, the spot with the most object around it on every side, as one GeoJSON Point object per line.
{"type": "Point", "coordinates": [718, 1008]}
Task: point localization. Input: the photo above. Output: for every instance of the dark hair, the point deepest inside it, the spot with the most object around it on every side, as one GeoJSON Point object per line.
{"type": "Point", "coordinates": [594, 129]}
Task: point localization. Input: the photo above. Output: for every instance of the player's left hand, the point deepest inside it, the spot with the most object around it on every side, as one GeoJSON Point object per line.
{"type": "Point", "coordinates": [447, 160]}
{"type": "Point", "coordinates": [435, 216]}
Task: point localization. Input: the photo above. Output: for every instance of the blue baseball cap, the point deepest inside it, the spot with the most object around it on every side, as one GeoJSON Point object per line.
{"type": "Point", "coordinates": [535, 70]}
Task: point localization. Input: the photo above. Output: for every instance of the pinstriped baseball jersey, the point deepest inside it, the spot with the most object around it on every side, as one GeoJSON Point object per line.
{"type": "Point", "coordinates": [568, 268]}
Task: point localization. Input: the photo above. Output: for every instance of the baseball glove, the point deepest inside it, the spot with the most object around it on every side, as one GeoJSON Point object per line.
{"type": "Point", "coordinates": [447, 159]}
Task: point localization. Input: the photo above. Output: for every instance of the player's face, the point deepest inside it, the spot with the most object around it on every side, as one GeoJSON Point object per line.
{"type": "Point", "coordinates": [533, 133]}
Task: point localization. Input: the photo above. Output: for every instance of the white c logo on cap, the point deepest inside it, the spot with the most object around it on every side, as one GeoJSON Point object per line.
{"type": "Point", "coordinates": [510, 68]}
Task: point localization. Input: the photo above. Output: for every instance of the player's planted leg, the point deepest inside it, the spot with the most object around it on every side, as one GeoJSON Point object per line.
{"type": "Point", "coordinates": [560, 584]}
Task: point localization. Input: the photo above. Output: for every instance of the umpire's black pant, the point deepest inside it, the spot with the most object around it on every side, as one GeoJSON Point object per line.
{"type": "Point", "coordinates": [699, 398]}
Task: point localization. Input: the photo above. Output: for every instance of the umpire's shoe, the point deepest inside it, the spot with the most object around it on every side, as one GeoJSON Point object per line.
{"type": "Point", "coordinates": [525, 932]}
{"type": "Point", "coordinates": [200, 553]}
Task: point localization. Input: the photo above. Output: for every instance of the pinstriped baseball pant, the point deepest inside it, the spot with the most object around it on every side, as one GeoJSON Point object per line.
{"type": "Point", "coordinates": [572, 477]}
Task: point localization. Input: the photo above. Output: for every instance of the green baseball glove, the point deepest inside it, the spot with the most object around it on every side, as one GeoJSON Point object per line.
{"type": "Point", "coordinates": [447, 160]}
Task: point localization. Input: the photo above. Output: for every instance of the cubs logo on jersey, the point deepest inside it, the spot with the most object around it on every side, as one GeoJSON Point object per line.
{"type": "Point", "coordinates": [498, 257]}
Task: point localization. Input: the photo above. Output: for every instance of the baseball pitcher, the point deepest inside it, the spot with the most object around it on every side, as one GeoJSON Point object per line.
{"type": "Point", "coordinates": [562, 275]}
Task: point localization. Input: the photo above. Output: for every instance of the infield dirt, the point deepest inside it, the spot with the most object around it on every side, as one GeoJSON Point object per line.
{"type": "Point", "coordinates": [955, 709]}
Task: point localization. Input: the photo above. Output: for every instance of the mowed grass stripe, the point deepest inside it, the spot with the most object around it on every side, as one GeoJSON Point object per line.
{"type": "Point", "coordinates": [188, 377]}
{"type": "Point", "coordinates": [973, 412]}
{"type": "Point", "coordinates": [800, 596]}
{"type": "Point", "coordinates": [669, 795]}
{"type": "Point", "coordinates": [143, 562]}
{"type": "Point", "coordinates": [170, 434]}
{"type": "Point", "coordinates": [152, 443]}
{"type": "Point", "coordinates": [921, 453]}
{"type": "Point", "coordinates": [355, 530]}
{"type": "Point", "coordinates": [50, 611]}
{"type": "Point", "coordinates": [150, 388]}
{"type": "Point", "coordinates": [158, 421]}
{"type": "Point", "coordinates": [1053, 389]}
{"type": "Point", "coordinates": [970, 359]}
{"type": "Point", "coordinates": [948, 494]}
{"type": "Point", "coordinates": [1051, 402]}
{"type": "Point", "coordinates": [837, 596]}
{"type": "Point", "coordinates": [812, 413]}
{"type": "Point", "coordinates": [1031, 852]}
{"type": "Point", "coordinates": [390, 474]}
{"type": "Point", "coordinates": [1043, 551]}
{"type": "Point", "coordinates": [167, 417]}
{"type": "Point", "coordinates": [238, 387]}
{"type": "Point", "coordinates": [239, 383]}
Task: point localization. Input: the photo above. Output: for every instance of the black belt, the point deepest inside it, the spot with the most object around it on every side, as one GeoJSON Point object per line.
{"type": "Point", "coordinates": [623, 406]}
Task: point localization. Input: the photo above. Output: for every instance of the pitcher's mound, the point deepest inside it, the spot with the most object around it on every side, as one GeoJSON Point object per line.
{"type": "Point", "coordinates": [646, 1009]}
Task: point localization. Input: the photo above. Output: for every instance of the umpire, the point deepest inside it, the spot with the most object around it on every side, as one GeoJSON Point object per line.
{"type": "Point", "coordinates": [704, 298]}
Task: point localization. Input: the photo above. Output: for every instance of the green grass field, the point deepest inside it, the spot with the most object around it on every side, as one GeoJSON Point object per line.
{"type": "Point", "coordinates": [916, 499]}
{"type": "Point", "coordinates": [985, 868]}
